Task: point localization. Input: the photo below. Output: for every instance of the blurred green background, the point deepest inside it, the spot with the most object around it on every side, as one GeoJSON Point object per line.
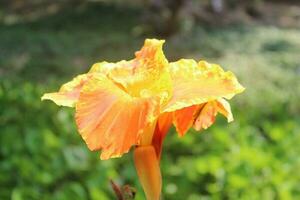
{"type": "Point", "coordinates": [44, 43]}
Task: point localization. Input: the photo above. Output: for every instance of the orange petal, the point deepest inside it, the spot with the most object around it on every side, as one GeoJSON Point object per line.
{"type": "Point", "coordinates": [109, 119]}
{"type": "Point", "coordinates": [206, 116]}
{"type": "Point", "coordinates": [196, 83]}
{"type": "Point", "coordinates": [151, 55]}
{"type": "Point", "coordinates": [184, 118]}
{"type": "Point", "coordinates": [209, 111]}
{"type": "Point", "coordinates": [163, 125]}
{"type": "Point", "coordinates": [69, 92]}
{"type": "Point", "coordinates": [147, 167]}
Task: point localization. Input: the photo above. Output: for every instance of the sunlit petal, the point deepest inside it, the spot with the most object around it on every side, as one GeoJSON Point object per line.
{"type": "Point", "coordinates": [69, 92]}
{"type": "Point", "coordinates": [109, 119]}
{"type": "Point", "coordinates": [103, 67]}
{"type": "Point", "coordinates": [147, 74]}
{"type": "Point", "coordinates": [224, 108]}
{"type": "Point", "coordinates": [196, 83]}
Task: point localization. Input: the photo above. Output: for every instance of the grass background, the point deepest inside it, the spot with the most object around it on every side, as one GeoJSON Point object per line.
{"type": "Point", "coordinates": [43, 157]}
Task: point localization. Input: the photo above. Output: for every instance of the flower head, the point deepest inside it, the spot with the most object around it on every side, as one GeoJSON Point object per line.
{"type": "Point", "coordinates": [134, 103]}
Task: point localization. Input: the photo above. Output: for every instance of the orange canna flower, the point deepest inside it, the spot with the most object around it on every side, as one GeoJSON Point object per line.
{"type": "Point", "coordinates": [134, 103]}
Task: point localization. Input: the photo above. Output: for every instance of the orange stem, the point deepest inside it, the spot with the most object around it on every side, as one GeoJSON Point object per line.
{"type": "Point", "coordinates": [147, 167]}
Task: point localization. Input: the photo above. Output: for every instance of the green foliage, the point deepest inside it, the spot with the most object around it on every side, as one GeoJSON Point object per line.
{"type": "Point", "coordinates": [43, 157]}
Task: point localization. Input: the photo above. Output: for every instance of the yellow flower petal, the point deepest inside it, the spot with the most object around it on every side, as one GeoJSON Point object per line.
{"type": "Point", "coordinates": [196, 83]}
{"type": "Point", "coordinates": [206, 116]}
{"type": "Point", "coordinates": [102, 67]}
{"type": "Point", "coordinates": [110, 119]}
{"type": "Point", "coordinates": [224, 108]}
{"type": "Point", "coordinates": [146, 75]}
{"type": "Point", "coordinates": [69, 92]}
{"type": "Point", "coordinates": [208, 112]}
